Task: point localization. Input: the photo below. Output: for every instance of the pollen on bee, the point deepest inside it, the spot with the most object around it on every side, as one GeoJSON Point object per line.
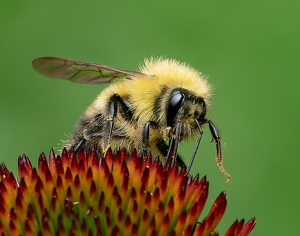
{"type": "Point", "coordinates": [108, 146]}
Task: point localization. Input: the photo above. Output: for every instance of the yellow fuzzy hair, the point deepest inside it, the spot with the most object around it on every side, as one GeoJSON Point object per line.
{"type": "Point", "coordinates": [170, 72]}
{"type": "Point", "coordinates": [167, 73]}
{"type": "Point", "coordinates": [143, 91]}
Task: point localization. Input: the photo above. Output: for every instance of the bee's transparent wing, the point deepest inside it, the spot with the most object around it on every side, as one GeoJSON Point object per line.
{"type": "Point", "coordinates": [78, 71]}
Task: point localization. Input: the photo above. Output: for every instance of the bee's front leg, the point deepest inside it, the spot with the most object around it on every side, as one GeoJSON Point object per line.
{"type": "Point", "coordinates": [217, 139]}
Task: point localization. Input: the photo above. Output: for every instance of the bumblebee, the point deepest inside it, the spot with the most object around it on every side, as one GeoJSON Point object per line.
{"type": "Point", "coordinates": [165, 101]}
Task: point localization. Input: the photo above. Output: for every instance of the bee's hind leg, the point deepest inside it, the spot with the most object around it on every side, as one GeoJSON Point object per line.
{"type": "Point", "coordinates": [96, 134]}
{"type": "Point", "coordinates": [79, 144]}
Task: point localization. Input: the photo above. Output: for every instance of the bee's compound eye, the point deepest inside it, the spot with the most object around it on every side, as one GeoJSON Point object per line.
{"type": "Point", "coordinates": [175, 102]}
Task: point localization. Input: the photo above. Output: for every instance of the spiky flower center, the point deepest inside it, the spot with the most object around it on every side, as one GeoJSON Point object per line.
{"type": "Point", "coordinates": [87, 195]}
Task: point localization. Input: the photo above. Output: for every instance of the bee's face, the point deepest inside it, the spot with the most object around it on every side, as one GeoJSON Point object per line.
{"type": "Point", "coordinates": [186, 107]}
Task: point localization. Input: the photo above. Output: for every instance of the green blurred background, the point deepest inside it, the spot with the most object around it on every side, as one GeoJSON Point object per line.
{"type": "Point", "coordinates": [250, 50]}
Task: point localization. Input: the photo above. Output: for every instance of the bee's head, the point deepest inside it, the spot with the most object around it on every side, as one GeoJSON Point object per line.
{"type": "Point", "coordinates": [184, 106]}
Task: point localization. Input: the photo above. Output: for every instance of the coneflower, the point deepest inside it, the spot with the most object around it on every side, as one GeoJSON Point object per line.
{"type": "Point", "coordinates": [112, 195]}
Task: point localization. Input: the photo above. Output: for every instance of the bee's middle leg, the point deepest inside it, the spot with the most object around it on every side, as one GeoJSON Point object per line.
{"type": "Point", "coordinates": [125, 109]}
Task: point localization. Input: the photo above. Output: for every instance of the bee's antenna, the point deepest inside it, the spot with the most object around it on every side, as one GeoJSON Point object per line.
{"type": "Point", "coordinates": [196, 147]}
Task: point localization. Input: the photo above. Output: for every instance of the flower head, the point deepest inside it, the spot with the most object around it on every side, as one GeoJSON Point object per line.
{"type": "Point", "coordinates": [114, 195]}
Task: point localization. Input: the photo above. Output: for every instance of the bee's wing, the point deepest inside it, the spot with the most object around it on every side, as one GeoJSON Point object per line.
{"type": "Point", "coordinates": [78, 71]}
